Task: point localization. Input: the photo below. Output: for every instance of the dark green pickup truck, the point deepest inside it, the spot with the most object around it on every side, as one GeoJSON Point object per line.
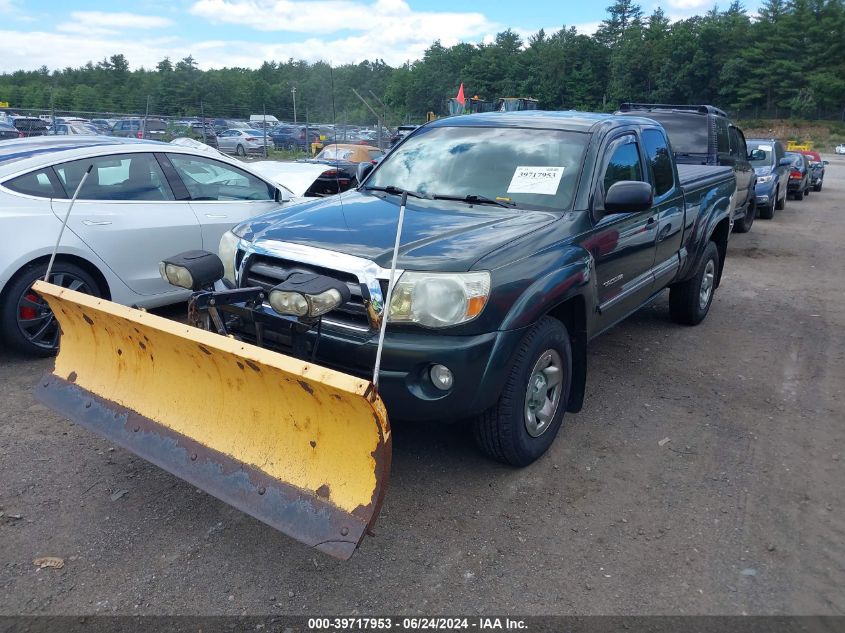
{"type": "Point", "coordinates": [527, 234]}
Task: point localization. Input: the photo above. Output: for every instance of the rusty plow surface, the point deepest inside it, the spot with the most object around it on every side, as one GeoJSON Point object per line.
{"type": "Point", "coordinates": [300, 447]}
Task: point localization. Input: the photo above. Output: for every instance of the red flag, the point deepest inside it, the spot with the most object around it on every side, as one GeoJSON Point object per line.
{"type": "Point", "coordinates": [460, 98]}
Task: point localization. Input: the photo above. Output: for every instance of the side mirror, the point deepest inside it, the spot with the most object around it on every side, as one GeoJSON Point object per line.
{"type": "Point", "coordinates": [784, 162]}
{"type": "Point", "coordinates": [825, 162]}
{"type": "Point", "coordinates": [726, 160]}
{"type": "Point", "coordinates": [282, 195]}
{"type": "Point", "coordinates": [628, 196]}
{"type": "Point", "coordinates": [757, 154]}
{"type": "Point", "coordinates": [364, 170]}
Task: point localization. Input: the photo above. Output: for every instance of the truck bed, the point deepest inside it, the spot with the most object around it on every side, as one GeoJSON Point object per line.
{"type": "Point", "coordinates": [694, 176]}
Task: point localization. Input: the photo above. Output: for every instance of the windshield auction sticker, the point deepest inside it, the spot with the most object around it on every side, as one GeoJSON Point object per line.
{"type": "Point", "coordinates": [543, 180]}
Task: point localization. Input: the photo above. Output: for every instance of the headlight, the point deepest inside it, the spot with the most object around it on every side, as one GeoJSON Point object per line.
{"type": "Point", "coordinates": [762, 180]}
{"type": "Point", "coordinates": [228, 252]}
{"type": "Point", "coordinates": [439, 299]}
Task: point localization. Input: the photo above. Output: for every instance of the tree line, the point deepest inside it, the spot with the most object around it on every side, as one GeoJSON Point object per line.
{"type": "Point", "coordinates": [788, 60]}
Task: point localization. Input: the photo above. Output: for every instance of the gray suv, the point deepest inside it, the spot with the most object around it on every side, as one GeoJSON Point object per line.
{"type": "Point", "coordinates": [704, 135]}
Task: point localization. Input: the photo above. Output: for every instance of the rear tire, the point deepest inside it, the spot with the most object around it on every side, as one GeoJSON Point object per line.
{"type": "Point", "coordinates": [522, 425]}
{"type": "Point", "coordinates": [744, 225]}
{"type": "Point", "coordinates": [690, 300]}
{"type": "Point", "coordinates": [27, 322]}
{"type": "Point", "coordinates": [240, 151]}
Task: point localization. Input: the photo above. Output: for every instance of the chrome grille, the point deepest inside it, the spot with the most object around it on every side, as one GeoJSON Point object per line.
{"type": "Point", "coordinates": [267, 272]}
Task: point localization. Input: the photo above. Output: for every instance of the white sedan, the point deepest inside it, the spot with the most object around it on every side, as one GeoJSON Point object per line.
{"type": "Point", "coordinates": [143, 201]}
{"type": "Point", "coordinates": [243, 142]}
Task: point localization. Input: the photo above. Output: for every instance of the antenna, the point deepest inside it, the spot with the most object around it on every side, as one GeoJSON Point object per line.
{"type": "Point", "coordinates": [334, 127]}
{"type": "Point", "coordinates": [64, 223]}
{"type": "Point", "coordinates": [385, 311]}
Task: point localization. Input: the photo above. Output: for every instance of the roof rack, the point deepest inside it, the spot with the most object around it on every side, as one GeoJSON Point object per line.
{"type": "Point", "coordinates": [701, 109]}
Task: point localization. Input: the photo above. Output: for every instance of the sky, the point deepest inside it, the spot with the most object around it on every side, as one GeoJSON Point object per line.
{"type": "Point", "coordinates": [245, 33]}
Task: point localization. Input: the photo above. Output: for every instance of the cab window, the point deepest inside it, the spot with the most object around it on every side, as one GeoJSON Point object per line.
{"type": "Point", "coordinates": [657, 151]}
{"type": "Point", "coordinates": [624, 162]}
{"type": "Point", "coordinates": [136, 177]}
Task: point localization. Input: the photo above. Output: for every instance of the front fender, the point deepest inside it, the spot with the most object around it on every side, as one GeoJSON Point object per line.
{"type": "Point", "coordinates": [550, 290]}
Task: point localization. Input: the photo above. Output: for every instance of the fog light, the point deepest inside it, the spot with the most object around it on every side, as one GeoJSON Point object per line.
{"type": "Point", "coordinates": [193, 270]}
{"type": "Point", "coordinates": [288, 303]}
{"type": "Point", "coordinates": [442, 377]}
{"type": "Point", "coordinates": [176, 275]}
{"type": "Point", "coordinates": [308, 295]}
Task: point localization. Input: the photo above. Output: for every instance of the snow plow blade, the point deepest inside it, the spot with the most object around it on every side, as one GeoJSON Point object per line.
{"type": "Point", "coordinates": [300, 447]}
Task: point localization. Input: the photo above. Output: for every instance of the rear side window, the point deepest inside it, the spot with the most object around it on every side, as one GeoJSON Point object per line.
{"type": "Point", "coordinates": [688, 133]}
{"type": "Point", "coordinates": [624, 162]}
{"type": "Point", "coordinates": [723, 144]}
{"type": "Point", "coordinates": [36, 183]}
{"type": "Point", "coordinates": [657, 151]}
{"type": "Point", "coordinates": [116, 177]}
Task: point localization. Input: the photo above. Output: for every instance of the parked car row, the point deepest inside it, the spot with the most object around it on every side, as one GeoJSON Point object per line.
{"type": "Point", "coordinates": [766, 173]}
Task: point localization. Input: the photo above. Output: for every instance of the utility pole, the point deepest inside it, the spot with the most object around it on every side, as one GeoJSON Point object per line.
{"type": "Point", "coordinates": [146, 114]}
{"type": "Point", "coordinates": [293, 92]}
{"type": "Point", "coordinates": [202, 119]}
{"type": "Point", "coordinates": [264, 127]}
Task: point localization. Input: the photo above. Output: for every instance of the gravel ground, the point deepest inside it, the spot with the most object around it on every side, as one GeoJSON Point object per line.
{"type": "Point", "coordinates": [741, 511]}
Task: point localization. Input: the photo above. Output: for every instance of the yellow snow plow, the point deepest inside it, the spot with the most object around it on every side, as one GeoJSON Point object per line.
{"type": "Point", "coordinates": [300, 447]}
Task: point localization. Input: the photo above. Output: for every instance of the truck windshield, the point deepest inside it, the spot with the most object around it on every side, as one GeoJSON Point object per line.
{"type": "Point", "coordinates": [527, 168]}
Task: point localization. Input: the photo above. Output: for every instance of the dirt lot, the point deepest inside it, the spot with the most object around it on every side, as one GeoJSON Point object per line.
{"type": "Point", "coordinates": [741, 511]}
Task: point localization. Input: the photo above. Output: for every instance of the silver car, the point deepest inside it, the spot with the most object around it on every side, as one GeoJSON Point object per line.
{"type": "Point", "coordinates": [243, 142]}
{"type": "Point", "coordinates": [143, 201]}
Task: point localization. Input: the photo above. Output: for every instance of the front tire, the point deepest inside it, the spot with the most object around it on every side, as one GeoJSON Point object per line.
{"type": "Point", "coordinates": [27, 322]}
{"type": "Point", "coordinates": [818, 187]}
{"type": "Point", "coordinates": [690, 300]}
{"type": "Point", "coordinates": [522, 425]}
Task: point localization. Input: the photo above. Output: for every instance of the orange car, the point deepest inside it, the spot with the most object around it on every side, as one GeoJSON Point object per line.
{"type": "Point", "coordinates": [343, 160]}
{"type": "Point", "coordinates": [349, 153]}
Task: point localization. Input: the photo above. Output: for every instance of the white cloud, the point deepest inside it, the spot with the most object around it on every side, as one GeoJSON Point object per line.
{"type": "Point", "coordinates": [120, 20]}
{"type": "Point", "coordinates": [25, 50]}
{"type": "Point", "coordinates": [100, 23]}
{"type": "Point", "coordinates": [97, 23]}
{"type": "Point", "coordinates": [378, 29]}
{"type": "Point", "coordinates": [381, 18]}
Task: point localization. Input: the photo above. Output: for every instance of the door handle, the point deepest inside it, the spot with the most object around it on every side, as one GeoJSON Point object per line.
{"type": "Point", "coordinates": [96, 222]}
{"type": "Point", "coordinates": [215, 215]}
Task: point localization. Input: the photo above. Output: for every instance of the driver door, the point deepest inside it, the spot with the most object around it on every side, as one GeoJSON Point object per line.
{"type": "Point", "coordinates": [622, 244]}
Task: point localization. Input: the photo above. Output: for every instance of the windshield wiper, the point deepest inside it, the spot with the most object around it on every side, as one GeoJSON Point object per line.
{"type": "Point", "coordinates": [397, 191]}
{"type": "Point", "coordinates": [475, 199]}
